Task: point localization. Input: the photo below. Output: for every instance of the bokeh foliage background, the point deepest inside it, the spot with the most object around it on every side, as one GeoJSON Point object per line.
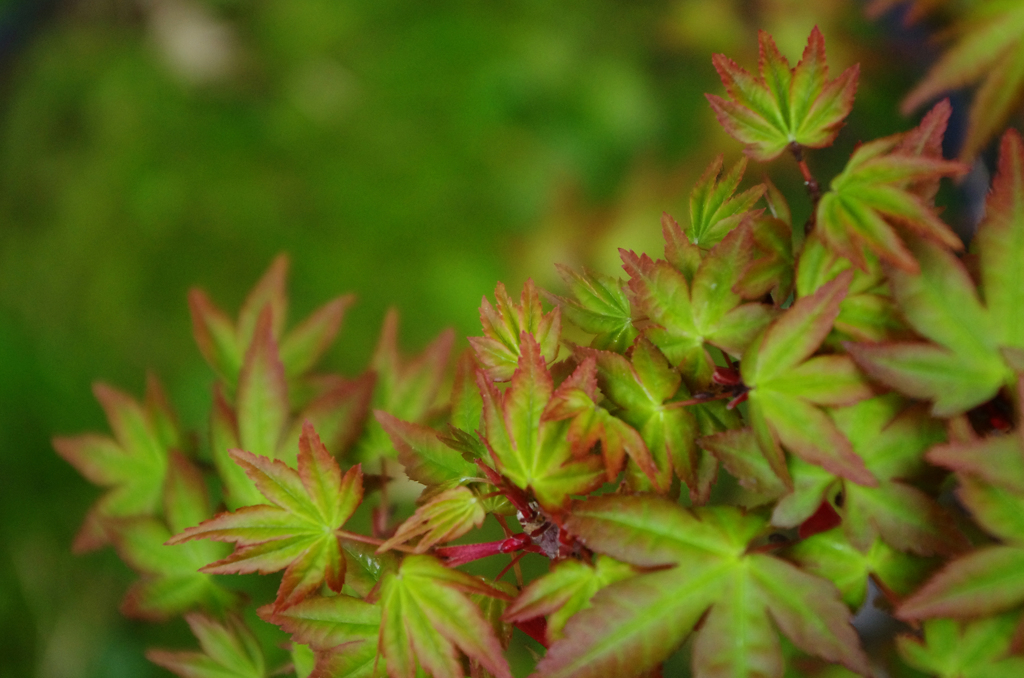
{"type": "Point", "coordinates": [411, 152]}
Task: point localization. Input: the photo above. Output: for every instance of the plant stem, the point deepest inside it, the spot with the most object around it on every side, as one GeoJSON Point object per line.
{"type": "Point", "coordinates": [374, 541]}
{"type": "Point", "coordinates": [810, 183]}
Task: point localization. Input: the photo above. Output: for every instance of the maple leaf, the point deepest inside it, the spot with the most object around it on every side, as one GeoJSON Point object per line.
{"type": "Point", "coordinates": [683, 315]}
{"type": "Point", "coordinates": [500, 349]}
{"type": "Point", "coordinates": [426, 615]}
{"type": "Point", "coordinates": [989, 49]}
{"type": "Point", "coordinates": [714, 209]}
{"type": "Point", "coordinates": [407, 388]}
{"type": "Point", "coordinates": [600, 307]}
{"type": "Point", "coordinates": [703, 569]}
{"type": "Point", "coordinates": [988, 580]}
{"type": "Point", "coordinates": [771, 266]}
{"type": "Point", "coordinates": [297, 530]}
{"type": "Point", "coordinates": [171, 582]}
{"type": "Point", "coordinates": [891, 439]}
{"type": "Point", "coordinates": [880, 186]}
{"type": "Point", "coordinates": [831, 556]}
{"type": "Point", "coordinates": [955, 649]}
{"type": "Point", "coordinates": [133, 464]}
{"type": "Point", "coordinates": [641, 389]}
{"type": "Point", "coordinates": [224, 343]}
{"type": "Point", "coordinates": [787, 386]}
{"type": "Point", "coordinates": [970, 355]}
{"type": "Point", "coordinates": [784, 105]}
{"type": "Point", "coordinates": [564, 591]}
{"type": "Point", "coordinates": [529, 450]}
{"type": "Point", "coordinates": [444, 517]}
{"type": "Point", "coordinates": [229, 650]}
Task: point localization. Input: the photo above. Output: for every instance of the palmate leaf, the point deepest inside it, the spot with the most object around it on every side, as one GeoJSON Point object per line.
{"type": "Point", "coordinates": [600, 307]}
{"type": "Point", "coordinates": [564, 591]}
{"type": "Point", "coordinates": [224, 343]}
{"type": "Point", "coordinates": [170, 581]}
{"type": "Point", "coordinates": [406, 388]}
{"type": "Point", "coordinates": [133, 464]}
{"type": "Point", "coordinates": [531, 451]}
{"type": "Point", "coordinates": [990, 579]}
{"type": "Point", "coordinates": [683, 315]}
{"type": "Point", "coordinates": [704, 569]}
{"type": "Point", "coordinates": [956, 649]}
{"type": "Point", "coordinates": [426, 615]}
{"type": "Point", "coordinates": [888, 181]}
{"type": "Point", "coordinates": [891, 439]}
{"type": "Point", "coordinates": [229, 650]}
{"type": "Point", "coordinates": [505, 323]}
{"type": "Point", "coordinates": [787, 387]}
{"type": "Point", "coordinates": [783, 105]}
{"type": "Point", "coordinates": [444, 517]}
{"type": "Point", "coordinates": [640, 389]}
{"type": "Point", "coordinates": [715, 210]}
{"type": "Point", "coordinates": [965, 364]}
{"type": "Point", "coordinates": [296, 531]}
{"type": "Point", "coordinates": [990, 50]}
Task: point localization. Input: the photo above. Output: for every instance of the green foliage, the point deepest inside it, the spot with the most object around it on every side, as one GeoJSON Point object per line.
{"type": "Point", "coordinates": [769, 371]}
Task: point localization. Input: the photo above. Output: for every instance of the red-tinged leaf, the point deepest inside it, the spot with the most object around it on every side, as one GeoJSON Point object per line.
{"type": "Point", "coordinates": [783, 106]}
{"type": "Point", "coordinates": [185, 498]}
{"type": "Point", "coordinates": [446, 516]}
{"type": "Point", "coordinates": [998, 460]}
{"type": "Point", "coordinates": [600, 307]}
{"type": "Point", "coordinates": [161, 416]}
{"type": "Point", "coordinates": [296, 531]}
{"type": "Point", "coordinates": [964, 367]}
{"type": "Point", "coordinates": [984, 582]}
{"type": "Point", "coordinates": [302, 347]}
{"type": "Point", "coordinates": [679, 251]}
{"type": "Point", "coordinates": [982, 647]}
{"type": "Point", "coordinates": [989, 50]}
{"type": "Point", "coordinates": [704, 562]}
{"type": "Point", "coordinates": [229, 650]}
{"type": "Point", "coordinates": [426, 459]}
{"type": "Point", "coordinates": [133, 465]}
{"type": "Point", "coordinates": [466, 403]}
{"type": "Point", "coordinates": [215, 334]}
{"type": "Point", "coordinates": [269, 292]}
{"type": "Point", "coordinates": [926, 140]}
{"type": "Point", "coordinates": [427, 617]}
{"type": "Point", "coordinates": [563, 592]}
{"type": "Point", "coordinates": [262, 393]}
{"type": "Point", "coordinates": [338, 414]}
{"type": "Point", "coordinates": [324, 623]}
{"type": "Point", "coordinates": [770, 269]}
{"type": "Point", "coordinates": [1000, 244]}
{"type": "Point", "coordinates": [822, 520]}
{"type": "Point", "coordinates": [406, 388]}
{"type": "Point", "coordinates": [873, 192]}
{"type": "Point", "coordinates": [998, 511]}
{"type": "Point", "coordinates": [238, 489]}
{"type": "Point", "coordinates": [500, 348]}
{"type": "Point", "coordinates": [714, 209]}
{"type": "Point", "coordinates": [742, 457]}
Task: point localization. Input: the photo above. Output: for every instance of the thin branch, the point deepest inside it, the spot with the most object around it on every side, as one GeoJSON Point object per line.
{"type": "Point", "coordinates": [810, 183]}
{"type": "Point", "coordinates": [353, 536]}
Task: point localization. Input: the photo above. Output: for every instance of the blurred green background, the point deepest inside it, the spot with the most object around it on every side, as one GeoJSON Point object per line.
{"type": "Point", "coordinates": [411, 152]}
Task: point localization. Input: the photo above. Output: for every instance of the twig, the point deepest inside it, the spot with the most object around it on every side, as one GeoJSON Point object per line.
{"type": "Point", "coordinates": [810, 183]}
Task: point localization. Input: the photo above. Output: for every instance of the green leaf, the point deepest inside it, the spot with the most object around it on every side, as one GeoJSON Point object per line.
{"type": "Point", "coordinates": [303, 346]}
{"type": "Point", "coordinates": [742, 457]}
{"type": "Point", "coordinates": [966, 363]}
{"type": "Point", "coordinates": [426, 459]}
{"type": "Point", "coordinates": [714, 209]}
{"type": "Point", "coordinates": [989, 49]}
{"type": "Point", "coordinates": [684, 317]}
{"type": "Point", "coordinates": [500, 348]}
{"type": "Point", "coordinates": [784, 105]}
{"type": "Point", "coordinates": [984, 582]}
{"type": "Point", "coordinates": [877, 189]}
{"type": "Point", "coordinates": [427, 616]}
{"type": "Point", "coordinates": [133, 464]}
{"type": "Point", "coordinates": [771, 267]}
{"type": "Point", "coordinates": [705, 567]}
{"type": "Point", "coordinates": [600, 307]}
{"type": "Point", "coordinates": [444, 517]}
{"type": "Point", "coordinates": [262, 405]}
{"type": "Point", "coordinates": [405, 388]}
{"type": "Point", "coordinates": [296, 531]}
{"type": "Point", "coordinates": [229, 650]}
{"type": "Point", "coordinates": [564, 591]}
{"type": "Point", "coordinates": [531, 451]}
{"type": "Point", "coordinates": [956, 649]}
{"type": "Point", "coordinates": [788, 386]}
{"type": "Point", "coordinates": [831, 556]}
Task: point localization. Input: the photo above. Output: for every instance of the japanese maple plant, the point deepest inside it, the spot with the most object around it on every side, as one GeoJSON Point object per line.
{"type": "Point", "coordinates": [764, 421]}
